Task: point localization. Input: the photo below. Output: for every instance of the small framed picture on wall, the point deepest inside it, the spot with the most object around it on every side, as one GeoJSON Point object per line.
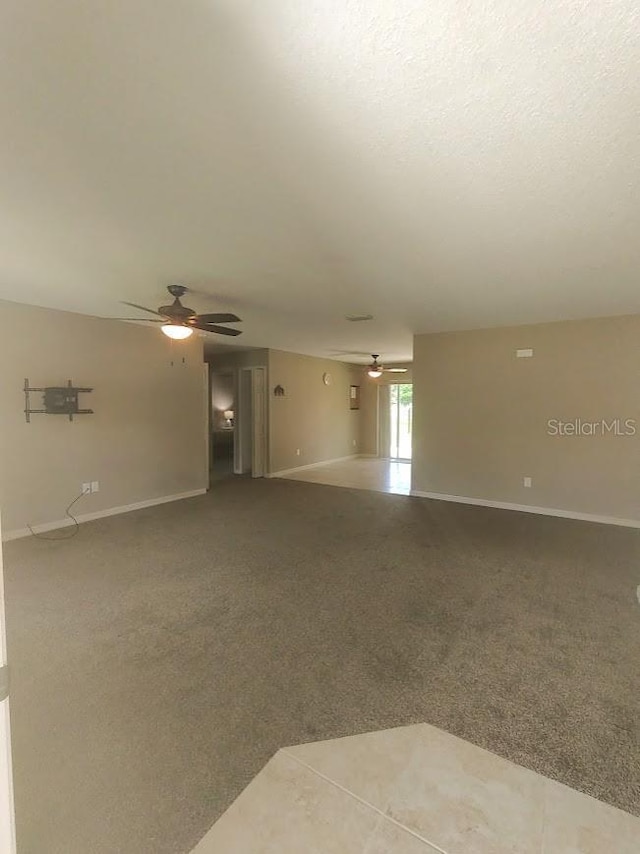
{"type": "Point", "coordinates": [354, 397]}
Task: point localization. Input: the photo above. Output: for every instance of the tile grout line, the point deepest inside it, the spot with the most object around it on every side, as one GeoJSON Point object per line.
{"type": "Point", "coordinates": [363, 802]}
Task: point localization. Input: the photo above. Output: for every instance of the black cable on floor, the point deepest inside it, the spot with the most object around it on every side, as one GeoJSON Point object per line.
{"type": "Point", "coordinates": [65, 536]}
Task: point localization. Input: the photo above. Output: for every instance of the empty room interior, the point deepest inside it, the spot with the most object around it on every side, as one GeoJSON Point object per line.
{"type": "Point", "coordinates": [320, 427]}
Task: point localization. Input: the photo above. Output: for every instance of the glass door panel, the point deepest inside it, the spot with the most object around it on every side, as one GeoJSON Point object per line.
{"type": "Point", "coordinates": [400, 420]}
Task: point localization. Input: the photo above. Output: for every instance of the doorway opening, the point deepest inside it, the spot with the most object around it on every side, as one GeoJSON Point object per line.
{"type": "Point", "coordinates": [223, 419]}
{"type": "Point", "coordinates": [238, 423]}
{"type": "Point", "coordinates": [400, 421]}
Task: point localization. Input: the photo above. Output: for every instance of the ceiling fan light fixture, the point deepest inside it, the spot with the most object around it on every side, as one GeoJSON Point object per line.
{"type": "Point", "coordinates": [375, 369]}
{"type": "Point", "coordinates": [177, 331]}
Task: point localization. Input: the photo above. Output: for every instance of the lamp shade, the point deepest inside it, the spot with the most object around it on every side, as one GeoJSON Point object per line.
{"type": "Point", "coordinates": [176, 331]}
{"type": "Point", "coordinates": [228, 414]}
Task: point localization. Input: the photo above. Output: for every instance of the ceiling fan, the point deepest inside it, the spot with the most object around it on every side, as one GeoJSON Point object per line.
{"type": "Point", "coordinates": [178, 321]}
{"type": "Point", "coordinates": [376, 370]}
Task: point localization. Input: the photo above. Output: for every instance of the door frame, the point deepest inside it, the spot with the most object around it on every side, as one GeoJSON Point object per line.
{"type": "Point", "coordinates": [259, 425]}
{"type": "Point", "coordinates": [7, 812]}
{"type": "Point", "coordinates": [257, 379]}
{"type": "Point", "coordinates": [208, 423]}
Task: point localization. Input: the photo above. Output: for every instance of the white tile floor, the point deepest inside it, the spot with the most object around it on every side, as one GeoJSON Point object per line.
{"type": "Point", "coordinates": [360, 473]}
{"type": "Point", "coordinates": [412, 790]}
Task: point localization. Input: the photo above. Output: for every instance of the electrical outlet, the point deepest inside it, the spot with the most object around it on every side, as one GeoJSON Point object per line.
{"type": "Point", "coordinates": [297, 452]}
{"type": "Point", "coordinates": [354, 443]}
{"type": "Point", "coordinates": [95, 486]}
{"type": "Point", "coordinates": [527, 482]}
{"type": "Point", "coordinates": [86, 488]}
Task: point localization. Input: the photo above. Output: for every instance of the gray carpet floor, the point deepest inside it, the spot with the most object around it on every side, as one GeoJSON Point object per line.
{"type": "Point", "coordinates": [161, 657]}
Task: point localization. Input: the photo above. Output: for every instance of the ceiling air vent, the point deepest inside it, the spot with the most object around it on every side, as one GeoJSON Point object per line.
{"type": "Point", "coordinates": [358, 318]}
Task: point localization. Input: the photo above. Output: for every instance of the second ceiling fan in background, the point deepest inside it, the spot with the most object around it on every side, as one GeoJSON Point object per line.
{"type": "Point", "coordinates": [376, 370]}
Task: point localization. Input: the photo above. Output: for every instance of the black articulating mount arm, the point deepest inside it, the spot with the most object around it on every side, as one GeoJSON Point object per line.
{"type": "Point", "coordinates": [56, 400]}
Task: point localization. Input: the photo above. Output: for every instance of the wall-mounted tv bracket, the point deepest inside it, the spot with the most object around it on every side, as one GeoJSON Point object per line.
{"type": "Point", "coordinates": [57, 400]}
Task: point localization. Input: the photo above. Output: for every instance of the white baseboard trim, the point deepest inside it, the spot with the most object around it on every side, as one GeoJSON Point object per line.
{"type": "Point", "coordinates": [529, 508]}
{"type": "Point", "coordinates": [283, 472]}
{"type": "Point", "coordinates": [100, 514]}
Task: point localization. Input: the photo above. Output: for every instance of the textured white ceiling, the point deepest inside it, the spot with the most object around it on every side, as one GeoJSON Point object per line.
{"type": "Point", "coordinates": [441, 164]}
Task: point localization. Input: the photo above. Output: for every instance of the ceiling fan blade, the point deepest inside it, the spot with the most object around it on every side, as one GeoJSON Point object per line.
{"type": "Point", "coordinates": [217, 318]}
{"type": "Point", "coordinates": [219, 330]}
{"type": "Point", "coordinates": [395, 370]}
{"type": "Point", "coordinates": [141, 307]}
{"type": "Point", "coordinates": [138, 319]}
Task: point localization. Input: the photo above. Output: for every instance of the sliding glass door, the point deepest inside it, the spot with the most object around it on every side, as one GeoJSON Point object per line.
{"type": "Point", "coordinates": [400, 420]}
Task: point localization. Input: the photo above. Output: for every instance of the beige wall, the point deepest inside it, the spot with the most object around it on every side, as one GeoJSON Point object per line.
{"type": "Point", "coordinates": [368, 430]}
{"type": "Point", "coordinates": [257, 357]}
{"type": "Point", "coordinates": [480, 422]}
{"type": "Point", "coordinates": [392, 379]}
{"type": "Point", "coordinates": [146, 439]}
{"type": "Point", "coordinates": [311, 416]}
